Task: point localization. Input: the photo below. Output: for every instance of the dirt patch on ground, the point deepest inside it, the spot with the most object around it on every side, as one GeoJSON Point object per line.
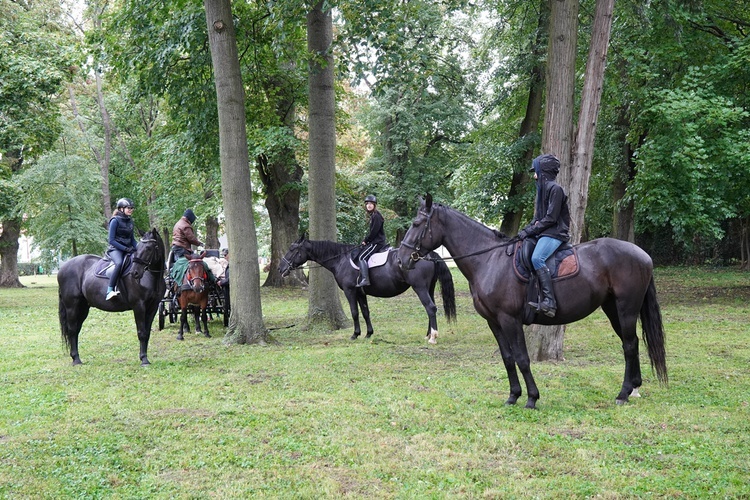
{"type": "Point", "coordinates": [672, 292]}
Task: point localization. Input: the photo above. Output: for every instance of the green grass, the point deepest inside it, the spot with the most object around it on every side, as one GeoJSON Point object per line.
{"type": "Point", "coordinates": [317, 415]}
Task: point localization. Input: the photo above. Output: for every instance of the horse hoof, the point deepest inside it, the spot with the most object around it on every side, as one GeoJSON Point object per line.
{"type": "Point", "coordinates": [620, 402]}
{"type": "Point", "coordinates": [635, 393]}
{"type": "Point", "coordinates": [354, 336]}
{"type": "Point", "coordinates": [530, 404]}
{"type": "Point", "coordinates": [180, 337]}
{"type": "Point", "coordinates": [368, 335]}
{"type": "Point", "coordinates": [77, 362]}
{"type": "Point", "coordinates": [207, 335]}
{"type": "Point", "coordinates": [511, 401]}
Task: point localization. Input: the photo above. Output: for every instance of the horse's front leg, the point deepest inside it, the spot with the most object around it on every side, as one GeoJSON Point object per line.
{"type": "Point", "coordinates": [431, 309]}
{"type": "Point", "coordinates": [183, 323]}
{"type": "Point", "coordinates": [510, 364]}
{"type": "Point", "coordinates": [197, 312]}
{"type": "Point", "coordinates": [512, 330]}
{"type": "Point", "coordinates": [143, 325]}
{"type": "Point", "coordinates": [362, 299]}
{"type": "Point", "coordinates": [351, 297]}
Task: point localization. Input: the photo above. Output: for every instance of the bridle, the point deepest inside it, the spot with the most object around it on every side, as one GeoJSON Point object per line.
{"type": "Point", "coordinates": [192, 279]}
{"type": "Point", "coordinates": [152, 256]}
{"type": "Point", "coordinates": [417, 246]}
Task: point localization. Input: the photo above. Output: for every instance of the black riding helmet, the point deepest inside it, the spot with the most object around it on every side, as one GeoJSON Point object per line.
{"type": "Point", "coordinates": [371, 198]}
{"type": "Point", "coordinates": [125, 203]}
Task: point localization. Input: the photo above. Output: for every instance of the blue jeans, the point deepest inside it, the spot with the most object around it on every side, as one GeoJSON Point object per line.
{"type": "Point", "coordinates": [545, 247]}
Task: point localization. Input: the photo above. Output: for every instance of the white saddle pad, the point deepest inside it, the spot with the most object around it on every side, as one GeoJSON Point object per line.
{"type": "Point", "coordinates": [375, 260]}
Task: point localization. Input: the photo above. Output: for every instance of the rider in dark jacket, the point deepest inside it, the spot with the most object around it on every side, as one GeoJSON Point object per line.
{"type": "Point", "coordinates": [121, 241]}
{"type": "Point", "coordinates": [551, 225]}
{"type": "Point", "coordinates": [373, 242]}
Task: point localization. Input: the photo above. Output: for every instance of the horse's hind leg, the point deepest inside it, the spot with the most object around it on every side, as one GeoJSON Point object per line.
{"type": "Point", "coordinates": [72, 317]}
{"type": "Point", "coordinates": [428, 302]}
{"type": "Point", "coordinates": [197, 315]}
{"type": "Point", "coordinates": [351, 297]}
{"type": "Point", "coordinates": [624, 323]}
{"type": "Point", "coordinates": [183, 324]}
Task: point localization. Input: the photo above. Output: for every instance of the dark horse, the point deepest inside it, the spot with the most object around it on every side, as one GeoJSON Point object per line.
{"type": "Point", "coordinates": [196, 296]}
{"type": "Point", "coordinates": [387, 280]}
{"type": "Point", "coordinates": [614, 275]}
{"type": "Point", "coordinates": [141, 290]}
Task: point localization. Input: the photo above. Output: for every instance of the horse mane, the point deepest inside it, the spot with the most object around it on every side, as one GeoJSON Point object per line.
{"type": "Point", "coordinates": [326, 248]}
{"type": "Point", "coordinates": [493, 233]}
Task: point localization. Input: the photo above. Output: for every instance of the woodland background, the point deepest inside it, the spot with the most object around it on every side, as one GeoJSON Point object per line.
{"type": "Point", "coordinates": [101, 100]}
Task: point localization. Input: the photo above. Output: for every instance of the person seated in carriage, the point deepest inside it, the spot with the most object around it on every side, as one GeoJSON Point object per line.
{"type": "Point", "coordinates": [121, 240]}
{"type": "Point", "coordinates": [183, 236]}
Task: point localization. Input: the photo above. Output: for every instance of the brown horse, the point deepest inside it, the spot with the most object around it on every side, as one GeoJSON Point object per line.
{"type": "Point", "coordinates": [194, 294]}
{"type": "Point", "coordinates": [614, 275]}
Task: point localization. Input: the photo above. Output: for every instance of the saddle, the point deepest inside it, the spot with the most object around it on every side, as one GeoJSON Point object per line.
{"type": "Point", "coordinates": [105, 267]}
{"type": "Point", "coordinates": [376, 260]}
{"type": "Point", "coordinates": [563, 264]}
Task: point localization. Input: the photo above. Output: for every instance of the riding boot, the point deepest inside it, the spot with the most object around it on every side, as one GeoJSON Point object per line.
{"type": "Point", "coordinates": [364, 274]}
{"type": "Point", "coordinates": [548, 305]}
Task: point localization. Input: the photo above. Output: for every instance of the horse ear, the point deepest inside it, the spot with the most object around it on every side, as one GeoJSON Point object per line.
{"type": "Point", "coordinates": [140, 233]}
{"type": "Point", "coordinates": [428, 201]}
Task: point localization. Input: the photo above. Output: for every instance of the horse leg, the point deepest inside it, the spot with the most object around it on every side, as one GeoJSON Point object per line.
{"type": "Point", "coordinates": [624, 323]}
{"type": "Point", "coordinates": [143, 319]}
{"type": "Point", "coordinates": [511, 331]}
{"type": "Point", "coordinates": [428, 302]}
{"type": "Point", "coordinates": [362, 299]}
{"type": "Point", "coordinates": [183, 322]}
{"type": "Point", "coordinates": [509, 362]}
{"type": "Point", "coordinates": [72, 317]}
{"type": "Point", "coordinates": [351, 297]}
{"type": "Point", "coordinates": [197, 315]}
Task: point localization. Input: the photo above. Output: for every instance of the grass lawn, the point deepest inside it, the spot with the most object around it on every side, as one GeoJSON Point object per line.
{"type": "Point", "coordinates": [316, 415]}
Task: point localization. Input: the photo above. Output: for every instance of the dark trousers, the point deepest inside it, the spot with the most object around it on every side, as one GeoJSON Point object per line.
{"type": "Point", "coordinates": [117, 257]}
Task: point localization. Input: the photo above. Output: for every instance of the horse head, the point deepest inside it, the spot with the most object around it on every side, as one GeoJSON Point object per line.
{"type": "Point", "coordinates": [295, 257]}
{"type": "Point", "coordinates": [149, 255]}
{"type": "Point", "coordinates": [196, 275]}
{"type": "Point", "coordinates": [418, 240]}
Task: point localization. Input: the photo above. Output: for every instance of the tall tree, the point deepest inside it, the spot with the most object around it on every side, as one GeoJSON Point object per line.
{"type": "Point", "coordinates": [35, 62]}
{"type": "Point", "coordinates": [246, 322]}
{"type": "Point", "coordinates": [324, 308]}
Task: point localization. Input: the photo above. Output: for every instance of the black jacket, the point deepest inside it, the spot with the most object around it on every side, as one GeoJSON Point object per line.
{"type": "Point", "coordinates": [551, 213]}
{"type": "Point", "coordinates": [377, 231]}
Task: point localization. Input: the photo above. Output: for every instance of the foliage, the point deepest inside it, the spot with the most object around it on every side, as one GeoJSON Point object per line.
{"type": "Point", "coordinates": [320, 416]}
{"type": "Point", "coordinates": [60, 204]}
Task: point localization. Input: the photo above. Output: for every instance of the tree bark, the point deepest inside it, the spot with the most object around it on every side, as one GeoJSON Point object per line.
{"type": "Point", "coordinates": [593, 83]}
{"type": "Point", "coordinates": [10, 231]}
{"type": "Point", "coordinates": [324, 306]}
{"type": "Point", "coordinates": [246, 321]}
{"type": "Point", "coordinates": [546, 342]}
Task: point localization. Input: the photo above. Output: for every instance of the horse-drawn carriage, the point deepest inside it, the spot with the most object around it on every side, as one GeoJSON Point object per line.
{"type": "Point", "coordinates": [199, 295]}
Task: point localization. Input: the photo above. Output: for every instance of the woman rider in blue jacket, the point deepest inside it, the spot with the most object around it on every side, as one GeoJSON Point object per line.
{"type": "Point", "coordinates": [121, 240]}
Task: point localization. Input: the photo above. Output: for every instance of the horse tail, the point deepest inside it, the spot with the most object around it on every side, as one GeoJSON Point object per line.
{"type": "Point", "coordinates": [62, 312]}
{"type": "Point", "coordinates": [447, 291]}
{"type": "Point", "coordinates": [653, 333]}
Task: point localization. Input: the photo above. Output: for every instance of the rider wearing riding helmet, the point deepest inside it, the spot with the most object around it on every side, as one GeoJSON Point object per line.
{"type": "Point", "coordinates": [551, 225]}
{"type": "Point", "coordinates": [373, 242]}
{"type": "Point", "coordinates": [121, 240]}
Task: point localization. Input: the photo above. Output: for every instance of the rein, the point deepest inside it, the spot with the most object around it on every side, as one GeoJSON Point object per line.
{"type": "Point", "coordinates": [147, 264]}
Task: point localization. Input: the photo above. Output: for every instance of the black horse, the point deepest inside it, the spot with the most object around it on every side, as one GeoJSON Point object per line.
{"type": "Point", "coordinates": [141, 290]}
{"type": "Point", "coordinates": [387, 280]}
{"type": "Point", "coordinates": [613, 274]}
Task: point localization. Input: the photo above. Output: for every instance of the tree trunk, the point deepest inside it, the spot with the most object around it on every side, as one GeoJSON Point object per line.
{"type": "Point", "coordinates": [281, 177]}
{"type": "Point", "coordinates": [11, 231]}
{"type": "Point", "coordinates": [593, 83]}
{"type": "Point", "coordinates": [246, 321]}
{"type": "Point", "coordinates": [623, 214]}
{"type": "Point", "coordinates": [546, 342]}
{"type": "Point", "coordinates": [324, 307]}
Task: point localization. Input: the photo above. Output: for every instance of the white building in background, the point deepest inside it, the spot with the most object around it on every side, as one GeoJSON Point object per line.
{"type": "Point", "coordinates": [26, 250]}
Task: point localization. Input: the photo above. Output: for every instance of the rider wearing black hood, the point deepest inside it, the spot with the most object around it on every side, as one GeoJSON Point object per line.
{"type": "Point", "coordinates": [551, 225]}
